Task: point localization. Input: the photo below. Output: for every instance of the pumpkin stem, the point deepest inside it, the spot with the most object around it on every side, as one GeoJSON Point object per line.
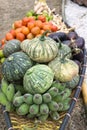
{"type": "Point", "coordinates": [60, 43]}
{"type": "Point", "coordinates": [42, 38]}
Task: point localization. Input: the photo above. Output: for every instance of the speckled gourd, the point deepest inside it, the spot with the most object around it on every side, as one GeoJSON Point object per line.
{"type": "Point", "coordinates": [15, 66]}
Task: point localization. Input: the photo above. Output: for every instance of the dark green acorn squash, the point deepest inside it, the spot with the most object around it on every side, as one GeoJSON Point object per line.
{"type": "Point", "coordinates": [38, 79]}
{"type": "Point", "coordinates": [15, 66]}
{"type": "Point", "coordinates": [40, 49]}
{"type": "Point", "coordinates": [11, 47]}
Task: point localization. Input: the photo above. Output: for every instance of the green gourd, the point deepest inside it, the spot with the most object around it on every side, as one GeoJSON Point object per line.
{"type": "Point", "coordinates": [28, 98]}
{"type": "Point", "coordinates": [38, 79]}
{"type": "Point", "coordinates": [64, 69]}
{"type": "Point", "coordinates": [24, 45]}
{"type": "Point", "coordinates": [10, 92]}
{"type": "Point", "coordinates": [44, 109]}
{"type": "Point", "coordinates": [46, 98]}
{"type": "Point", "coordinates": [4, 85]}
{"type": "Point", "coordinates": [43, 117]}
{"type": "Point", "coordinates": [54, 115]}
{"type": "Point", "coordinates": [40, 49]}
{"type": "Point", "coordinates": [23, 109]}
{"type": "Point", "coordinates": [63, 49]}
{"type": "Point", "coordinates": [15, 66]}
{"type": "Point", "coordinates": [18, 101]}
{"type": "Point", "coordinates": [53, 106]}
{"type": "Point", "coordinates": [37, 99]}
{"type": "Point", "coordinates": [11, 46]}
{"type": "Point", "coordinates": [73, 83]}
{"type": "Point", "coordinates": [34, 109]}
{"type": "Point", "coordinates": [53, 91]}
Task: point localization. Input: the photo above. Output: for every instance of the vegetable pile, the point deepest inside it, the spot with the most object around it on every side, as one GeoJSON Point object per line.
{"type": "Point", "coordinates": [40, 67]}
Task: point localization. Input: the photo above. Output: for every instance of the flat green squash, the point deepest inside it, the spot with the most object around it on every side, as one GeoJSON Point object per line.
{"type": "Point", "coordinates": [40, 49]}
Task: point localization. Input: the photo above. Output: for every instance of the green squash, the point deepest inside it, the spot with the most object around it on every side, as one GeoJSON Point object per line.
{"type": "Point", "coordinates": [73, 83]}
{"type": "Point", "coordinates": [15, 66]}
{"type": "Point", "coordinates": [63, 49]}
{"type": "Point", "coordinates": [24, 45]}
{"type": "Point", "coordinates": [38, 79]}
{"type": "Point", "coordinates": [40, 49]}
{"type": "Point", "coordinates": [11, 46]}
{"type": "Point", "coordinates": [64, 69]}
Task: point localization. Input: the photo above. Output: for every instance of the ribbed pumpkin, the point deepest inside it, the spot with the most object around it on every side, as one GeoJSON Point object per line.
{"type": "Point", "coordinates": [40, 49]}
{"type": "Point", "coordinates": [63, 49]}
{"type": "Point", "coordinates": [64, 69]}
{"type": "Point", "coordinates": [11, 47]}
{"type": "Point", "coordinates": [38, 79]}
{"type": "Point", "coordinates": [15, 66]}
{"type": "Point", "coordinates": [24, 45]}
{"type": "Point", "coordinates": [73, 83]}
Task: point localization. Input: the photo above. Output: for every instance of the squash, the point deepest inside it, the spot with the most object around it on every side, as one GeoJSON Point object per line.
{"type": "Point", "coordinates": [63, 49]}
{"type": "Point", "coordinates": [40, 49]}
{"type": "Point", "coordinates": [73, 83]}
{"type": "Point", "coordinates": [64, 69]}
{"type": "Point", "coordinates": [11, 46]}
{"type": "Point", "coordinates": [24, 45]}
{"type": "Point", "coordinates": [15, 66]}
{"type": "Point", "coordinates": [38, 79]}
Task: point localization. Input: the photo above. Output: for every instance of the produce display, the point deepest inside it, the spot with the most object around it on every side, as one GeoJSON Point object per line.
{"type": "Point", "coordinates": [41, 63]}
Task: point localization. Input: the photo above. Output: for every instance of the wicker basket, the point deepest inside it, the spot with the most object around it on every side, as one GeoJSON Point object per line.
{"type": "Point", "coordinates": [15, 122]}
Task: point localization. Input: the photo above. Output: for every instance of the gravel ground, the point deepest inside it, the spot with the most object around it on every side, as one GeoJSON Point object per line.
{"type": "Point", "coordinates": [13, 10]}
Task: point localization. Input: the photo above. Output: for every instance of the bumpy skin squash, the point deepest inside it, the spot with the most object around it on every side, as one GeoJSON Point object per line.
{"type": "Point", "coordinates": [15, 66]}
{"type": "Point", "coordinates": [40, 49]}
{"type": "Point", "coordinates": [11, 47]}
{"type": "Point", "coordinates": [64, 69]}
{"type": "Point", "coordinates": [38, 79]}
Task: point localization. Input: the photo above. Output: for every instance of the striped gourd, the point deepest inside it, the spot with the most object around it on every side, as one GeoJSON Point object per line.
{"type": "Point", "coordinates": [24, 45]}
{"type": "Point", "coordinates": [40, 49]}
{"type": "Point", "coordinates": [15, 66]}
{"type": "Point", "coordinates": [63, 49]}
{"type": "Point", "coordinates": [38, 79]}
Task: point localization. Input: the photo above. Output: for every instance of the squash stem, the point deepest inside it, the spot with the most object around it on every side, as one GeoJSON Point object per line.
{"type": "Point", "coordinates": [60, 43]}
{"type": "Point", "coordinates": [42, 38]}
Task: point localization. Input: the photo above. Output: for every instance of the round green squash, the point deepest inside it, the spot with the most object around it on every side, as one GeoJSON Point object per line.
{"type": "Point", "coordinates": [63, 49]}
{"type": "Point", "coordinates": [24, 45]}
{"type": "Point", "coordinates": [15, 66]}
{"type": "Point", "coordinates": [40, 49]}
{"type": "Point", "coordinates": [11, 46]}
{"type": "Point", "coordinates": [38, 79]}
{"type": "Point", "coordinates": [73, 83]}
{"type": "Point", "coordinates": [64, 69]}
